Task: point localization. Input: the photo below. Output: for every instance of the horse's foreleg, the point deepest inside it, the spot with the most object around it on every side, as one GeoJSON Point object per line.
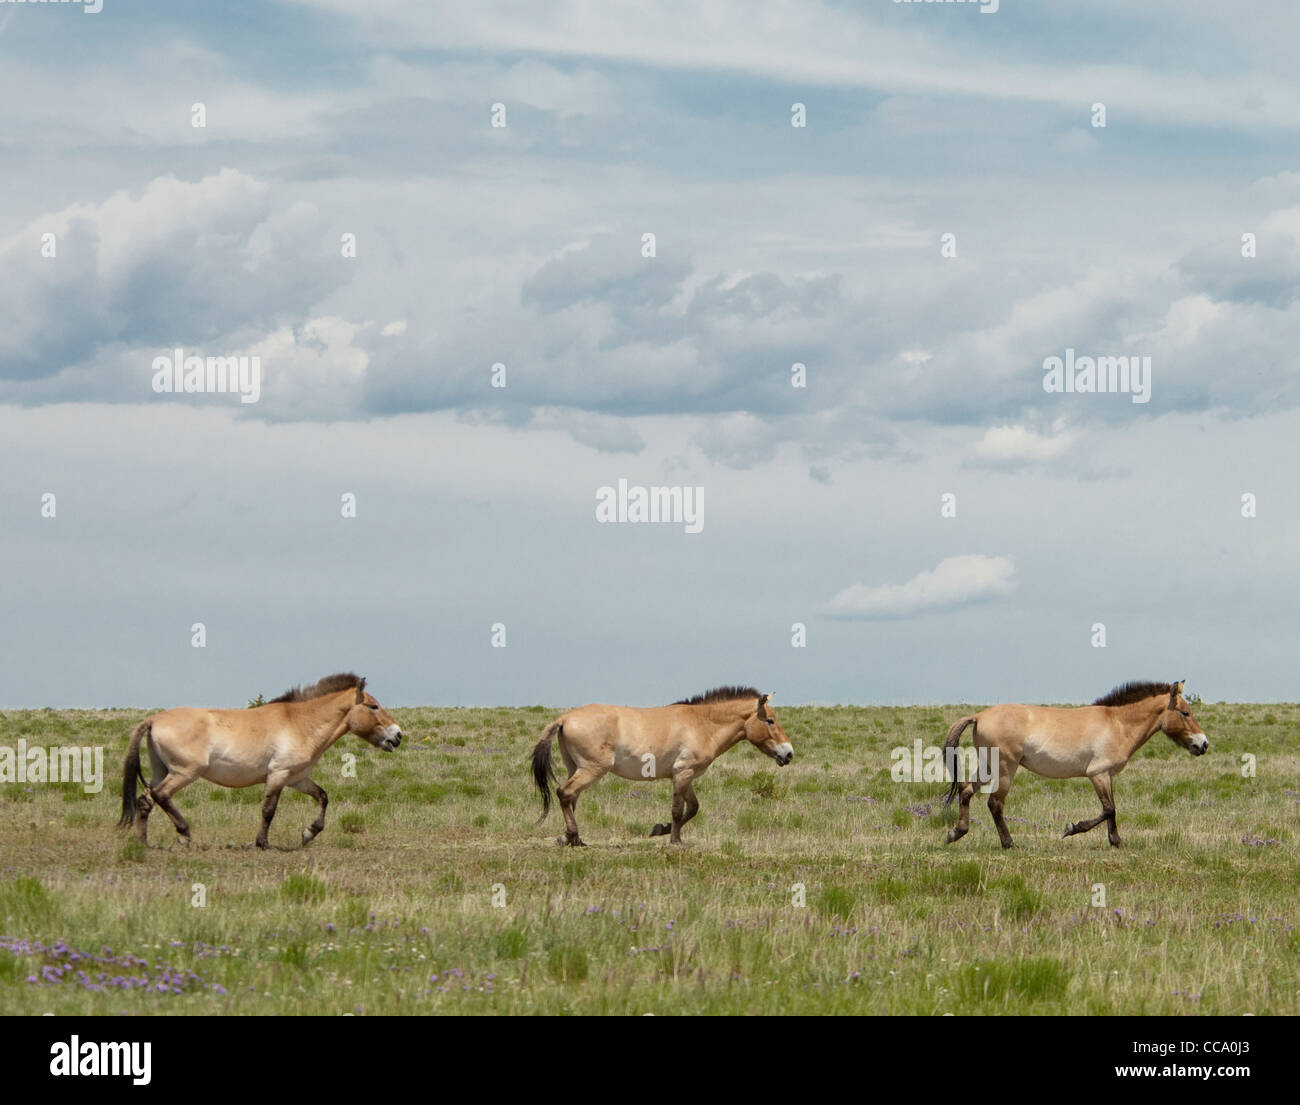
{"type": "Point", "coordinates": [683, 799]}
{"type": "Point", "coordinates": [1102, 785]}
{"type": "Point", "coordinates": [306, 786]}
{"type": "Point", "coordinates": [272, 799]}
{"type": "Point", "coordinates": [691, 809]}
{"type": "Point", "coordinates": [567, 792]}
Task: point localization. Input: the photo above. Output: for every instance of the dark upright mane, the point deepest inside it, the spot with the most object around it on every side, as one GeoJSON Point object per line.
{"type": "Point", "coordinates": [1134, 691]}
{"type": "Point", "coordinates": [719, 694]}
{"type": "Point", "coordinates": [331, 684]}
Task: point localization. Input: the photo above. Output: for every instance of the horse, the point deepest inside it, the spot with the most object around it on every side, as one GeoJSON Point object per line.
{"type": "Point", "coordinates": [1096, 741]}
{"type": "Point", "coordinates": [277, 743]}
{"type": "Point", "coordinates": [676, 742]}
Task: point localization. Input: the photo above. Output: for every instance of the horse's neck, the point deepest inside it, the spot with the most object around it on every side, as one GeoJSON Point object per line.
{"type": "Point", "coordinates": [328, 721]}
{"type": "Point", "coordinates": [728, 729]}
{"type": "Point", "coordinates": [1141, 722]}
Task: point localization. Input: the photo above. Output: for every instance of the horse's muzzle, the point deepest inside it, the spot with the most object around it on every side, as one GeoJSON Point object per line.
{"type": "Point", "coordinates": [392, 738]}
{"type": "Point", "coordinates": [783, 755]}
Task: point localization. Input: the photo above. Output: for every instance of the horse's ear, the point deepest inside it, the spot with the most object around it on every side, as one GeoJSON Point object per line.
{"type": "Point", "coordinates": [762, 699]}
{"type": "Point", "coordinates": [361, 692]}
{"type": "Point", "coordinates": [1175, 689]}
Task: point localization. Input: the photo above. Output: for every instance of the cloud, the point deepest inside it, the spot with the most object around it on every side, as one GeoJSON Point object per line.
{"type": "Point", "coordinates": [603, 433]}
{"type": "Point", "coordinates": [826, 44]}
{"type": "Point", "coordinates": [1019, 448]}
{"type": "Point", "coordinates": [1012, 446]}
{"type": "Point", "coordinates": [1272, 278]}
{"type": "Point", "coordinates": [207, 263]}
{"type": "Point", "coordinates": [956, 581]}
{"type": "Point", "coordinates": [738, 441]}
{"type": "Point", "coordinates": [750, 277]}
{"type": "Point", "coordinates": [313, 372]}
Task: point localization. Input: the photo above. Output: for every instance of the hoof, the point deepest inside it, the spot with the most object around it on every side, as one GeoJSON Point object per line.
{"type": "Point", "coordinates": [953, 836]}
{"type": "Point", "coordinates": [1069, 830]}
{"type": "Point", "coordinates": [306, 837]}
{"type": "Point", "coordinates": [1008, 844]}
{"type": "Point", "coordinates": [661, 830]}
{"type": "Point", "coordinates": [262, 845]}
{"type": "Point", "coordinates": [184, 838]}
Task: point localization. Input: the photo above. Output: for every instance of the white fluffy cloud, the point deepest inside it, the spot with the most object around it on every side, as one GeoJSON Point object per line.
{"type": "Point", "coordinates": [210, 262]}
{"type": "Point", "coordinates": [956, 581]}
{"type": "Point", "coordinates": [1013, 445]}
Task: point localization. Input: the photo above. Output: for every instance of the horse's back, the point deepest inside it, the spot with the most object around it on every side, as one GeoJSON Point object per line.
{"type": "Point", "coordinates": [199, 720]}
{"type": "Point", "coordinates": [601, 713]}
{"type": "Point", "coordinates": [619, 737]}
{"type": "Point", "coordinates": [600, 721]}
{"type": "Point", "coordinates": [1018, 714]}
{"type": "Point", "coordinates": [1054, 741]}
{"type": "Point", "coordinates": [201, 731]}
{"type": "Point", "coordinates": [179, 721]}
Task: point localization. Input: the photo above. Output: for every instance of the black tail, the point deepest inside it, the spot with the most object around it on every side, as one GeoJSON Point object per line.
{"type": "Point", "coordinates": [949, 746]}
{"type": "Point", "coordinates": [130, 773]}
{"type": "Point", "coordinates": [543, 771]}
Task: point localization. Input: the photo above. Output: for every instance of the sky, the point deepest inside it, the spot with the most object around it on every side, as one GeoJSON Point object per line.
{"type": "Point", "coordinates": [493, 262]}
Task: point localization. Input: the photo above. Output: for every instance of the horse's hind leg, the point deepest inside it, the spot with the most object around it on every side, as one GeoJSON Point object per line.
{"type": "Point", "coordinates": [567, 792]}
{"type": "Point", "coordinates": [997, 797]}
{"type": "Point", "coordinates": [1102, 785]}
{"type": "Point", "coordinates": [175, 782]}
{"type": "Point", "coordinates": [143, 807]}
{"type": "Point", "coordinates": [144, 800]}
{"type": "Point", "coordinates": [996, 802]}
{"type": "Point", "coordinates": [306, 786]}
{"type": "Point", "coordinates": [962, 827]}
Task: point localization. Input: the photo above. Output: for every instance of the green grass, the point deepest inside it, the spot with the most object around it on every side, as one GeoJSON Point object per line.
{"type": "Point", "coordinates": [431, 889]}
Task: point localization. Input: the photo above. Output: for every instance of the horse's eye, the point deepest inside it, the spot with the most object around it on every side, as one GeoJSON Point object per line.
{"type": "Point", "coordinates": [1185, 713]}
{"type": "Point", "coordinates": [375, 706]}
{"type": "Point", "coordinates": [770, 720]}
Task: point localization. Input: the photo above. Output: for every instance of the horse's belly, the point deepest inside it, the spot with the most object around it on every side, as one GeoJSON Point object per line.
{"type": "Point", "coordinates": [234, 775]}
{"type": "Point", "coordinates": [231, 770]}
{"type": "Point", "coordinates": [644, 765]}
{"type": "Point", "coordinates": [1055, 761]}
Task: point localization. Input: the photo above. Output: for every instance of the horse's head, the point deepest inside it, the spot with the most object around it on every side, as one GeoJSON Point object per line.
{"type": "Point", "coordinates": [371, 722]}
{"type": "Point", "coordinates": [1180, 726]}
{"type": "Point", "coordinates": [764, 732]}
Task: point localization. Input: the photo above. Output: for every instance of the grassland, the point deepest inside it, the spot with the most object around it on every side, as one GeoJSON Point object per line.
{"type": "Point", "coordinates": [432, 891]}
